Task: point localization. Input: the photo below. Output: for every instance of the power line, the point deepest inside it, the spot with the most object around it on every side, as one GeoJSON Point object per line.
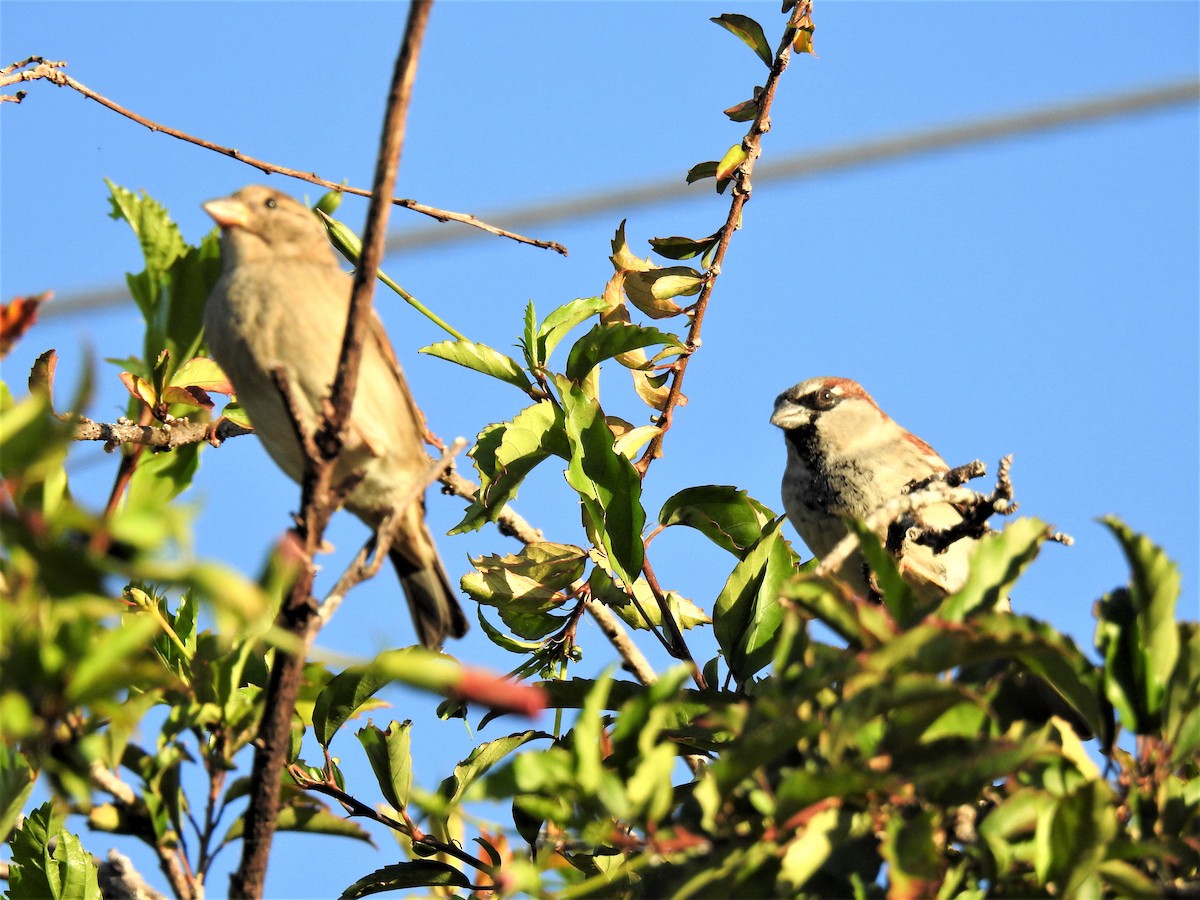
{"type": "Point", "coordinates": [801, 165]}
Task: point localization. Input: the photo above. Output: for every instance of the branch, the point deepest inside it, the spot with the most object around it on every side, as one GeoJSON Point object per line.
{"type": "Point", "coordinates": [299, 615]}
{"type": "Point", "coordinates": [170, 436]}
{"type": "Point", "coordinates": [52, 72]}
{"type": "Point", "coordinates": [355, 807]}
{"type": "Point", "coordinates": [119, 880]}
{"type": "Point", "coordinates": [976, 509]}
{"type": "Point", "coordinates": [752, 144]}
{"type": "Point", "coordinates": [168, 856]}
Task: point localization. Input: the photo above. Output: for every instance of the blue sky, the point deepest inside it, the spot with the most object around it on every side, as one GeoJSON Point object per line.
{"type": "Point", "coordinates": [1036, 296]}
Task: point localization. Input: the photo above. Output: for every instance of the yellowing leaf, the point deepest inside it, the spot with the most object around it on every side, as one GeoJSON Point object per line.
{"type": "Point", "coordinates": [204, 373]}
{"type": "Point", "coordinates": [803, 41]}
{"type": "Point", "coordinates": [139, 387]}
{"type": "Point", "coordinates": [734, 157]}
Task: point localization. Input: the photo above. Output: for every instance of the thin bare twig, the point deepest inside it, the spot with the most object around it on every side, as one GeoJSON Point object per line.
{"type": "Point", "coordinates": [356, 807]}
{"type": "Point", "coordinates": [676, 645]}
{"type": "Point", "coordinates": [752, 145]}
{"type": "Point", "coordinates": [52, 72]}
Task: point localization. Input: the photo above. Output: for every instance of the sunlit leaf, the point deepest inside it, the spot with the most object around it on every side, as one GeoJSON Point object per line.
{"type": "Point", "coordinates": [606, 341]}
{"type": "Point", "coordinates": [607, 483]}
{"type": "Point", "coordinates": [481, 358]}
{"type": "Point", "coordinates": [734, 157]}
{"type": "Point", "coordinates": [556, 325]}
{"type": "Point", "coordinates": [726, 515]}
{"type": "Point", "coordinates": [390, 755]}
{"type": "Point", "coordinates": [749, 32]}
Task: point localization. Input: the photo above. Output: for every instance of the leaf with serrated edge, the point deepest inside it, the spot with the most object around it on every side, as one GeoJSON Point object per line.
{"type": "Point", "coordinates": [480, 760]}
{"type": "Point", "coordinates": [727, 516]}
{"type": "Point", "coordinates": [996, 563]}
{"type": "Point", "coordinates": [480, 358]}
{"type": "Point", "coordinates": [736, 611]}
{"type": "Point", "coordinates": [1154, 589]}
{"type": "Point", "coordinates": [607, 483]}
{"type": "Point", "coordinates": [390, 755]}
{"type": "Point", "coordinates": [556, 325]}
{"type": "Point", "coordinates": [608, 340]}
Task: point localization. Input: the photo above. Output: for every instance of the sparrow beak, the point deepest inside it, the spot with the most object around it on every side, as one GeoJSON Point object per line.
{"type": "Point", "coordinates": [784, 410]}
{"type": "Point", "coordinates": [228, 213]}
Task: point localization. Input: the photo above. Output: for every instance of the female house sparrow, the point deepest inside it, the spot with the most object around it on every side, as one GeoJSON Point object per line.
{"type": "Point", "coordinates": [282, 300]}
{"type": "Point", "coordinates": [845, 459]}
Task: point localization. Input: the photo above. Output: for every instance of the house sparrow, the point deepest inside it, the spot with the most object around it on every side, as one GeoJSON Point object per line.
{"type": "Point", "coordinates": [845, 459]}
{"type": "Point", "coordinates": [283, 300]}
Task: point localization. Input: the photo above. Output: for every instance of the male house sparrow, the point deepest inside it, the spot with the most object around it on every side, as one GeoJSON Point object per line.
{"type": "Point", "coordinates": [845, 459]}
{"type": "Point", "coordinates": [282, 300]}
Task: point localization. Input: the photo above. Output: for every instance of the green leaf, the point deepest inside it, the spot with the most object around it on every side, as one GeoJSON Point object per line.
{"type": "Point", "coordinates": [553, 566]}
{"type": "Point", "coordinates": [607, 483]}
{"type": "Point", "coordinates": [747, 612]}
{"type": "Point", "coordinates": [158, 479]}
{"type": "Point", "coordinates": [506, 452]}
{"type": "Point", "coordinates": [703, 170]}
{"type": "Point", "coordinates": [586, 744]}
{"type": "Point", "coordinates": [744, 111]}
{"type": "Point", "coordinates": [319, 820]}
{"type": "Point", "coordinates": [481, 358]}
{"type": "Point", "coordinates": [726, 515]}
{"type": "Point", "coordinates": [1182, 704]}
{"type": "Point", "coordinates": [646, 612]}
{"type": "Point", "coordinates": [683, 247]}
{"type": "Point", "coordinates": [300, 814]}
{"type": "Point", "coordinates": [996, 564]}
{"type": "Point", "coordinates": [606, 341]}
{"type": "Point", "coordinates": [911, 850]}
{"type": "Point", "coordinates": [504, 641]}
{"type": "Point", "coordinates": [1151, 639]}
{"type": "Point", "coordinates": [66, 873]}
{"type": "Point", "coordinates": [1072, 837]}
{"type": "Point", "coordinates": [31, 438]}
{"type": "Point", "coordinates": [898, 595]}
{"type": "Point", "coordinates": [160, 241]}
{"type": "Point", "coordinates": [202, 372]}
{"type": "Point", "coordinates": [556, 325]}
{"type": "Point", "coordinates": [813, 845]}
{"type": "Point", "coordinates": [107, 665]}
{"type": "Point", "coordinates": [483, 758]}
{"type": "Point", "coordinates": [749, 32]}
{"type": "Point", "coordinates": [17, 778]}
{"type": "Point", "coordinates": [390, 755]}
{"type": "Point", "coordinates": [172, 289]}
{"type": "Point", "coordinates": [342, 698]}
{"type": "Point", "coordinates": [415, 874]}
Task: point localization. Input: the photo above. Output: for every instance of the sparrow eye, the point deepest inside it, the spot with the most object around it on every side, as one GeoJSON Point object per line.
{"type": "Point", "coordinates": [270, 203]}
{"type": "Point", "coordinates": [825, 399]}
